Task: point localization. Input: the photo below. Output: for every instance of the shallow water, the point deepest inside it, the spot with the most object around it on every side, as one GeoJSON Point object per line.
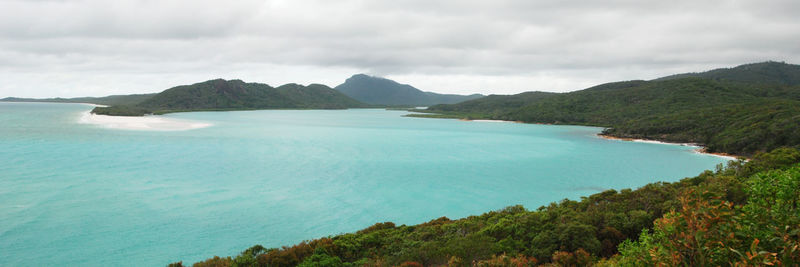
{"type": "Point", "coordinates": [83, 195]}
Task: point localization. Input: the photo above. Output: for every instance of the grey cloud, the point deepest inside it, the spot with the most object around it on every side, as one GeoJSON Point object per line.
{"type": "Point", "coordinates": [121, 19]}
{"type": "Point", "coordinates": [521, 44]}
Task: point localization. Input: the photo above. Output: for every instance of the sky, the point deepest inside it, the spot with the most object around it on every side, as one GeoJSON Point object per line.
{"type": "Point", "coordinates": [65, 48]}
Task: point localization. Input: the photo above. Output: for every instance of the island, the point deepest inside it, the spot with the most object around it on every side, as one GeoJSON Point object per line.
{"type": "Point", "coordinates": [221, 95]}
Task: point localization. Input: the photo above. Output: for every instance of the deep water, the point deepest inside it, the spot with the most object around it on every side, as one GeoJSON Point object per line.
{"type": "Point", "coordinates": [75, 194]}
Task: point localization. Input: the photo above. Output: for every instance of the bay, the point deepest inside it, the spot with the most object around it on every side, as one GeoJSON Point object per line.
{"type": "Point", "coordinates": [76, 194]}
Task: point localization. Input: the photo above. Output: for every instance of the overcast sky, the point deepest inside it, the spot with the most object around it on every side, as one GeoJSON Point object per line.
{"type": "Point", "coordinates": [98, 47]}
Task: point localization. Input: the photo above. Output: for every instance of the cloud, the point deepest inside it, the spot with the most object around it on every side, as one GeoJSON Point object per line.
{"type": "Point", "coordinates": [89, 47]}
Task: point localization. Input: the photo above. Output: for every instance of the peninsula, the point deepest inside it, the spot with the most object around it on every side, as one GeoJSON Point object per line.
{"type": "Point", "coordinates": [740, 110]}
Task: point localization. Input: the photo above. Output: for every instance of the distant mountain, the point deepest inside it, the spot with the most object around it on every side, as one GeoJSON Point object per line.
{"type": "Point", "coordinates": [741, 110]}
{"type": "Point", "coordinates": [235, 95]}
{"type": "Point", "coordinates": [381, 91]}
{"type": "Point", "coordinates": [106, 100]}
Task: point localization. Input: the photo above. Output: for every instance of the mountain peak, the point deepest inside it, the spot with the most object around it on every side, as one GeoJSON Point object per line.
{"type": "Point", "coordinates": [361, 76]}
{"type": "Point", "coordinates": [382, 91]}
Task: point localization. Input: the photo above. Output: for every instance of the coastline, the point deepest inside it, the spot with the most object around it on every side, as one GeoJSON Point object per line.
{"type": "Point", "coordinates": [697, 147]}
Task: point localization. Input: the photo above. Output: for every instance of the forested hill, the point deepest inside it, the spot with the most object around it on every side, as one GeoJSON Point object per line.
{"type": "Point", "coordinates": [235, 95]}
{"type": "Point", "coordinates": [381, 91]}
{"type": "Point", "coordinates": [767, 72]}
{"type": "Point", "coordinates": [741, 110]}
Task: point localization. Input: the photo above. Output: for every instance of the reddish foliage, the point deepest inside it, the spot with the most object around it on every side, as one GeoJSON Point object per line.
{"type": "Point", "coordinates": [411, 264]}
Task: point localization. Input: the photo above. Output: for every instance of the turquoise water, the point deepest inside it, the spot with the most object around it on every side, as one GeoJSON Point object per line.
{"type": "Point", "coordinates": [76, 194]}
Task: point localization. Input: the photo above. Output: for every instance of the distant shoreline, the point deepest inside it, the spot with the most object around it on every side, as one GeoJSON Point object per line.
{"type": "Point", "coordinates": [699, 148]}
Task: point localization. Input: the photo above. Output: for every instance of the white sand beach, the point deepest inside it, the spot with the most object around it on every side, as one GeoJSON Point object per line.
{"type": "Point", "coordinates": [489, 121]}
{"type": "Point", "coordinates": [697, 148]}
{"type": "Point", "coordinates": [701, 150]}
{"type": "Point", "coordinates": [146, 123]}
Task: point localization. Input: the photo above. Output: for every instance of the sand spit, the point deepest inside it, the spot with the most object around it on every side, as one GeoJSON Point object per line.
{"type": "Point", "coordinates": [146, 123]}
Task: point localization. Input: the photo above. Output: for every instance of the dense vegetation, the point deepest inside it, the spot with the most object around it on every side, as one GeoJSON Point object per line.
{"type": "Point", "coordinates": [122, 110]}
{"type": "Point", "coordinates": [234, 95]}
{"type": "Point", "coordinates": [746, 213]}
{"type": "Point", "coordinates": [380, 91]}
{"type": "Point", "coordinates": [742, 110]}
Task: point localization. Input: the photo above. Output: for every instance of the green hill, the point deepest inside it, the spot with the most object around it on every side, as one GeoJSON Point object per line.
{"type": "Point", "coordinates": [769, 72]}
{"type": "Point", "coordinates": [742, 110]}
{"type": "Point", "coordinates": [235, 95]}
{"type": "Point", "coordinates": [381, 91]}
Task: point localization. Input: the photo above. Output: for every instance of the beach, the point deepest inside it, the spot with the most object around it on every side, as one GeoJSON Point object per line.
{"type": "Point", "coordinates": [698, 148]}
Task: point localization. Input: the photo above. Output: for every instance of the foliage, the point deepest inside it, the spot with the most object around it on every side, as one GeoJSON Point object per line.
{"type": "Point", "coordinates": [733, 215]}
{"type": "Point", "coordinates": [121, 110]}
{"type": "Point", "coordinates": [216, 261]}
{"type": "Point", "coordinates": [501, 260]}
{"type": "Point", "coordinates": [321, 258]}
{"type": "Point", "coordinates": [709, 231]}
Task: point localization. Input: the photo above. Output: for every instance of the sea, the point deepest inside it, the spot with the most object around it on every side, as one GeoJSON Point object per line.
{"type": "Point", "coordinates": [74, 193]}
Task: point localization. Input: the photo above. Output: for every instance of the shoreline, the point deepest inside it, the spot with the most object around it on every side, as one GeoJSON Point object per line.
{"type": "Point", "coordinates": [702, 150]}
{"type": "Point", "coordinates": [697, 147]}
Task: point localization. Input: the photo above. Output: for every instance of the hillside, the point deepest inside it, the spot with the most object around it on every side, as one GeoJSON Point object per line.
{"type": "Point", "coordinates": [235, 95]}
{"type": "Point", "coordinates": [381, 91]}
{"type": "Point", "coordinates": [741, 110]}
{"type": "Point", "coordinates": [766, 72]}
{"type": "Point", "coordinates": [744, 214]}
{"type": "Point", "coordinates": [106, 100]}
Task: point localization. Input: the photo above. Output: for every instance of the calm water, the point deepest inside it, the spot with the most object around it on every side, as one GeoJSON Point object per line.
{"type": "Point", "coordinates": [77, 194]}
